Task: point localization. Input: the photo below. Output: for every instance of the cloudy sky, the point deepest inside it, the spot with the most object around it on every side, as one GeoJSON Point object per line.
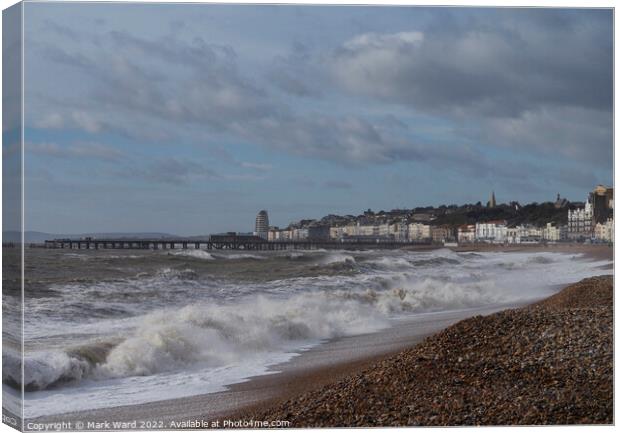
{"type": "Point", "coordinates": [190, 118]}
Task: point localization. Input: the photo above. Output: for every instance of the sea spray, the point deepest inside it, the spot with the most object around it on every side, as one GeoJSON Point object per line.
{"type": "Point", "coordinates": [178, 325]}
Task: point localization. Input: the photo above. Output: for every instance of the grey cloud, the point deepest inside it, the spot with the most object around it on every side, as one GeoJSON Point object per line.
{"type": "Point", "coordinates": [78, 150]}
{"type": "Point", "coordinates": [541, 86]}
{"type": "Point", "coordinates": [490, 69]}
{"type": "Point", "coordinates": [201, 85]}
{"type": "Point", "coordinates": [296, 72]}
{"type": "Point", "coordinates": [534, 81]}
{"type": "Point", "coordinates": [578, 134]}
{"type": "Point", "coordinates": [349, 140]}
{"type": "Point", "coordinates": [173, 171]}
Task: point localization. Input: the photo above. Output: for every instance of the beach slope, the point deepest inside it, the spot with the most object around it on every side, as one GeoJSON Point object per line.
{"type": "Point", "coordinates": [547, 363]}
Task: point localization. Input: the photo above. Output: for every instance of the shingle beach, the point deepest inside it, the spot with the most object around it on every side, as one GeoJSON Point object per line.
{"type": "Point", "coordinates": [547, 363]}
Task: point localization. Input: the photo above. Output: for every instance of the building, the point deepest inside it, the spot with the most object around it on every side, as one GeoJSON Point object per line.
{"type": "Point", "coordinates": [366, 239]}
{"type": "Point", "coordinates": [604, 232]}
{"type": "Point", "coordinates": [491, 204]}
{"type": "Point", "coordinates": [285, 235]}
{"type": "Point", "coordinates": [276, 234]}
{"type": "Point", "coordinates": [554, 233]}
{"type": "Point", "coordinates": [524, 234]}
{"type": "Point", "coordinates": [419, 232]}
{"type": "Point", "coordinates": [466, 234]}
{"type": "Point", "coordinates": [261, 227]}
{"type": "Point", "coordinates": [336, 232]}
{"type": "Point", "coordinates": [299, 234]}
{"type": "Point", "coordinates": [602, 201]}
{"type": "Point", "coordinates": [580, 225]}
{"type": "Point", "coordinates": [491, 231]}
{"type": "Point", "coordinates": [399, 231]}
{"type": "Point", "coordinates": [318, 232]}
{"type": "Point", "coordinates": [560, 202]}
{"type": "Point", "coordinates": [441, 234]}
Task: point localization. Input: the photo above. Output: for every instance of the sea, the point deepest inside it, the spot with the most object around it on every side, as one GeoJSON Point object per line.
{"type": "Point", "coordinates": [107, 328]}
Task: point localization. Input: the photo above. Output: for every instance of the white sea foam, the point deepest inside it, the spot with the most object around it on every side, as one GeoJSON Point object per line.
{"type": "Point", "coordinates": [196, 254]}
{"type": "Point", "coordinates": [336, 258]}
{"type": "Point", "coordinates": [213, 341]}
{"type": "Point", "coordinates": [243, 256]}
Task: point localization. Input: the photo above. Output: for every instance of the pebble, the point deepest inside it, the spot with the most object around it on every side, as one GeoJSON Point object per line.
{"type": "Point", "coordinates": [547, 363]}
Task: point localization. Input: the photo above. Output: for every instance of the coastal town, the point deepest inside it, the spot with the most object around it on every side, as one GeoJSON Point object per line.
{"type": "Point", "coordinates": [558, 221]}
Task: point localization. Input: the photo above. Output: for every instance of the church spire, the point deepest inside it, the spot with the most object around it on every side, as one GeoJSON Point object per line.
{"type": "Point", "coordinates": [492, 203]}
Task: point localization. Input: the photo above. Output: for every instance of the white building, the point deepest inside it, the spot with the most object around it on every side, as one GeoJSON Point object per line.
{"type": "Point", "coordinates": [580, 222]}
{"type": "Point", "coordinates": [336, 232]}
{"type": "Point", "coordinates": [399, 231]}
{"type": "Point", "coordinates": [491, 231]}
{"type": "Point", "coordinates": [466, 234]}
{"type": "Point", "coordinates": [605, 232]}
{"type": "Point", "coordinates": [384, 230]}
{"type": "Point", "coordinates": [524, 234]}
{"type": "Point", "coordinates": [276, 234]}
{"type": "Point", "coordinates": [419, 232]}
{"type": "Point", "coordinates": [554, 233]}
{"type": "Point", "coordinates": [299, 234]}
{"type": "Point", "coordinates": [261, 227]}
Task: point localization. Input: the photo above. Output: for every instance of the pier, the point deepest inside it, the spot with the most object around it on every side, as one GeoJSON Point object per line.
{"type": "Point", "coordinates": [251, 244]}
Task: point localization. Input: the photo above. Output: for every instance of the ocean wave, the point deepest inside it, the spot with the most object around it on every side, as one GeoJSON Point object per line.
{"type": "Point", "coordinates": [208, 335]}
{"type": "Point", "coordinates": [183, 274]}
{"type": "Point", "coordinates": [242, 256]}
{"type": "Point", "coordinates": [195, 254]}
{"type": "Point", "coordinates": [540, 259]}
{"type": "Point", "coordinates": [330, 259]}
{"type": "Point", "coordinates": [53, 369]}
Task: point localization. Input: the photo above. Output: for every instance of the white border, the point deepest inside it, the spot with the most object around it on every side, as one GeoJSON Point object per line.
{"type": "Point", "coordinates": [457, 3]}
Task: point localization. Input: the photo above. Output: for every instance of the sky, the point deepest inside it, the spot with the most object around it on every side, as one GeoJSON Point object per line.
{"type": "Point", "coordinates": [189, 119]}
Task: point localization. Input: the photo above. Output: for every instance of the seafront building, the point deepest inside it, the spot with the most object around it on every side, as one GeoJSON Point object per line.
{"type": "Point", "coordinates": [604, 232]}
{"type": "Point", "coordinates": [594, 219]}
{"type": "Point", "coordinates": [492, 231]}
{"type": "Point", "coordinates": [580, 222]}
{"type": "Point", "coordinates": [466, 234]}
{"type": "Point", "coordinates": [276, 234]}
{"type": "Point", "coordinates": [419, 232]}
{"type": "Point", "coordinates": [399, 231]}
{"type": "Point", "coordinates": [592, 222]}
{"type": "Point", "coordinates": [261, 227]}
{"type": "Point", "coordinates": [602, 201]}
{"type": "Point", "coordinates": [442, 234]}
{"type": "Point", "coordinates": [524, 234]}
{"type": "Point", "coordinates": [554, 233]}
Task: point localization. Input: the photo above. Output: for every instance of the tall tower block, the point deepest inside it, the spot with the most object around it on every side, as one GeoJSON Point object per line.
{"type": "Point", "coordinates": [262, 224]}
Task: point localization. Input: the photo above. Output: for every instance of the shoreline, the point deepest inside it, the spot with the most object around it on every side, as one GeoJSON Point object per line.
{"type": "Point", "coordinates": [593, 251]}
{"type": "Point", "coordinates": [321, 365]}
{"type": "Point", "coordinates": [547, 363]}
{"type": "Point", "coordinates": [306, 372]}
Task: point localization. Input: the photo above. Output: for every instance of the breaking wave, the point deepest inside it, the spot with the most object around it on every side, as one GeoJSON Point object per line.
{"type": "Point", "coordinates": [335, 258]}
{"type": "Point", "coordinates": [211, 335]}
{"type": "Point", "coordinates": [196, 254]}
{"type": "Point", "coordinates": [242, 256]}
